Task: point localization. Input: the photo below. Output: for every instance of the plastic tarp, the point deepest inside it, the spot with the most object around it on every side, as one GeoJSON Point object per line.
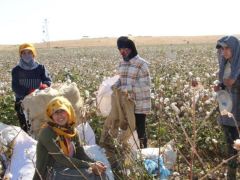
{"type": "Point", "coordinates": [104, 95]}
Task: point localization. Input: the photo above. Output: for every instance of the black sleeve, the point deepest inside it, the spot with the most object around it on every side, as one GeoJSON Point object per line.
{"type": "Point", "coordinates": [46, 79]}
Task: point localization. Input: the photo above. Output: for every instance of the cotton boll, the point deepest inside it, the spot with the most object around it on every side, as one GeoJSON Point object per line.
{"type": "Point", "coordinates": [161, 86]}
{"type": "Point", "coordinates": [175, 108]}
{"type": "Point", "coordinates": [236, 144]}
{"type": "Point", "coordinates": [167, 108]}
{"type": "Point", "coordinates": [68, 81]}
{"type": "Point", "coordinates": [216, 82]}
{"type": "Point", "coordinates": [161, 100]}
{"type": "Point", "coordinates": [152, 96]}
{"type": "Point", "coordinates": [214, 141]}
{"type": "Point", "coordinates": [166, 101]}
{"type": "Point", "coordinates": [175, 174]}
{"type": "Point", "coordinates": [198, 79]}
{"type": "Point", "coordinates": [186, 86]}
{"type": "Point", "coordinates": [207, 139]}
{"type": "Point", "coordinates": [182, 108]}
{"type": "Point", "coordinates": [207, 75]}
{"type": "Point", "coordinates": [208, 101]}
{"type": "Point", "coordinates": [86, 92]}
{"type": "Point", "coordinates": [8, 176]}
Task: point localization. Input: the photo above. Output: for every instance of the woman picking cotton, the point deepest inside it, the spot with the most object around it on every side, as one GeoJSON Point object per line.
{"type": "Point", "coordinates": [229, 77]}
{"type": "Point", "coordinates": [27, 76]}
{"type": "Point", "coordinates": [59, 153]}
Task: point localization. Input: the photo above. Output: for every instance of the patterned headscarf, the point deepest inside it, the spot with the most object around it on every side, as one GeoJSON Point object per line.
{"type": "Point", "coordinates": [68, 131]}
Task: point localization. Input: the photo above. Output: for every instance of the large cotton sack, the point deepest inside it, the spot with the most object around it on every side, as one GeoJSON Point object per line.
{"type": "Point", "coordinates": [7, 137]}
{"type": "Point", "coordinates": [8, 134]}
{"type": "Point", "coordinates": [104, 94]}
{"type": "Point", "coordinates": [34, 108]}
{"type": "Point", "coordinates": [71, 92]}
{"type": "Point", "coordinates": [22, 164]}
{"type": "Point", "coordinates": [34, 104]}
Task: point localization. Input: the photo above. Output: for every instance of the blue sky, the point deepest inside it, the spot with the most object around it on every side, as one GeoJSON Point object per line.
{"type": "Point", "coordinates": [23, 20]}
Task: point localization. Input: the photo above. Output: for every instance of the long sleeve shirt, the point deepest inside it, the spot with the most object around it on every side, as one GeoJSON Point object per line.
{"type": "Point", "coordinates": [25, 80]}
{"type": "Point", "coordinates": [135, 79]}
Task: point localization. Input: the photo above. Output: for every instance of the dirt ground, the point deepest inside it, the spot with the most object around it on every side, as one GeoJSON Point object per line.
{"type": "Point", "coordinates": [139, 40]}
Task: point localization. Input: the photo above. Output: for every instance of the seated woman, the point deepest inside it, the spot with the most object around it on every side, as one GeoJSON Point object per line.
{"type": "Point", "coordinates": [59, 153]}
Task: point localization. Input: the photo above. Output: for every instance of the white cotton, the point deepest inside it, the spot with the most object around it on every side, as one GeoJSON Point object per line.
{"type": "Point", "coordinates": [175, 108]}
{"type": "Point", "coordinates": [236, 144]}
{"type": "Point", "coordinates": [86, 133]}
{"type": "Point", "coordinates": [216, 82]}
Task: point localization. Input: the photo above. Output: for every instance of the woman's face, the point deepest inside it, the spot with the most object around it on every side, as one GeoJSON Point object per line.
{"type": "Point", "coordinates": [60, 117]}
{"type": "Point", "coordinates": [27, 55]}
{"type": "Point", "coordinates": [226, 52]}
{"type": "Point", "coordinates": [124, 52]}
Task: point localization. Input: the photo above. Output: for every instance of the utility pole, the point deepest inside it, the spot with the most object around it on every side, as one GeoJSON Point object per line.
{"type": "Point", "coordinates": [45, 32]}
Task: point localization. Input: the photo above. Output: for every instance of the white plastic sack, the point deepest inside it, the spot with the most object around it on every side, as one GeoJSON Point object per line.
{"type": "Point", "coordinates": [21, 165]}
{"type": "Point", "coordinates": [86, 134]}
{"type": "Point", "coordinates": [104, 95]}
{"type": "Point", "coordinates": [225, 101]}
{"type": "Point", "coordinates": [167, 152]}
{"type": "Point", "coordinates": [98, 154]}
{"type": "Point", "coordinates": [7, 134]}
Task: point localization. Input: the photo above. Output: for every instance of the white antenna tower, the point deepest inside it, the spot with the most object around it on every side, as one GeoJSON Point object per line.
{"type": "Point", "coordinates": [45, 33]}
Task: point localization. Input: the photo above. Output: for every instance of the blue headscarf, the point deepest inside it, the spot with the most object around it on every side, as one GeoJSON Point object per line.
{"type": "Point", "coordinates": [233, 43]}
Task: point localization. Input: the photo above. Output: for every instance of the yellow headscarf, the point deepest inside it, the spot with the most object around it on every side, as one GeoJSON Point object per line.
{"type": "Point", "coordinates": [27, 46]}
{"type": "Point", "coordinates": [67, 132]}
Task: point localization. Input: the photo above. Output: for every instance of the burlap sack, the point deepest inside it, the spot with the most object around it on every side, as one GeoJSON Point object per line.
{"type": "Point", "coordinates": [34, 104]}
{"type": "Point", "coordinates": [121, 117]}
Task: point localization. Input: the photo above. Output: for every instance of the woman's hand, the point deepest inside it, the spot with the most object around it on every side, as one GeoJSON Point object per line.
{"type": "Point", "coordinates": [228, 82]}
{"type": "Point", "coordinates": [216, 88]}
{"type": "Point", "coordinates": [98, 168]}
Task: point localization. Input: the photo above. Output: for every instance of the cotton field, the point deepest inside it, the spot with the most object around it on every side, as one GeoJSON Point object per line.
{"type": "Point", "coordinates": [184, 108]}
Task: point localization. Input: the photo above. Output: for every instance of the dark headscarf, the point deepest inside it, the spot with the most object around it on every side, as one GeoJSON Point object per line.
{"type": "Point", "coordinates": [234, 44]}
{"type": "Point", "coordinates": [124, 42]}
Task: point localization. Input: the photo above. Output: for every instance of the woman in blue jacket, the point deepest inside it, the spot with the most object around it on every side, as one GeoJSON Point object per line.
{"type": "Point", "coordinates": [27, 76]}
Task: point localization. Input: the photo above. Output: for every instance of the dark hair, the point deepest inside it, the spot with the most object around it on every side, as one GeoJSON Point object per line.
{"type": "Point", "coordinates": [125, 42]}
